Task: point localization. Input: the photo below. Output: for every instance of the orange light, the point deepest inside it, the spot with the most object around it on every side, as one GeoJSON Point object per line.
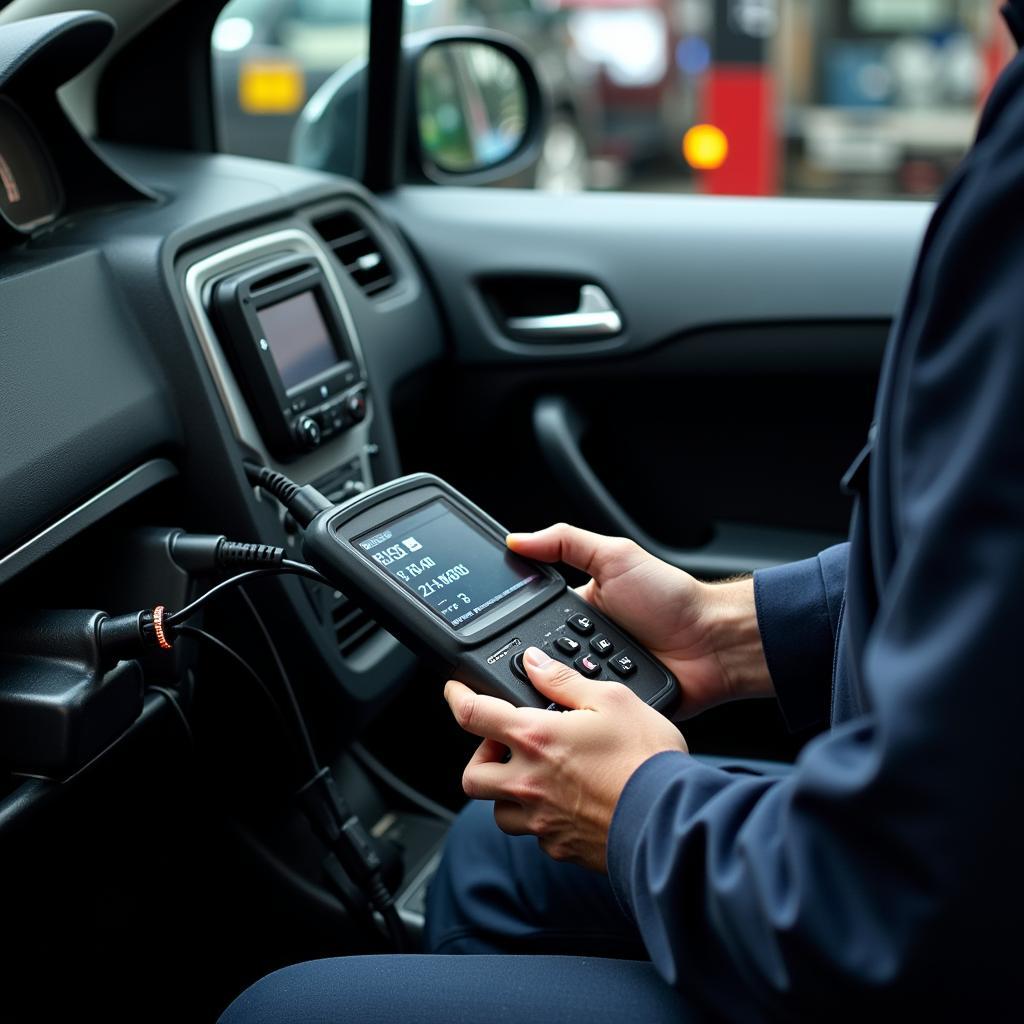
{"type": "Point", "coordinates": [158, 628]}
{"type": "Point", "coordinates": [271, 87]}
{"type": "Point", "coordinates": [705, 147]}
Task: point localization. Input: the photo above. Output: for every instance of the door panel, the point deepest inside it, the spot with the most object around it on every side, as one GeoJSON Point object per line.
{"type": "Point", "coordinates": [715, 425]}
{"type": "Point", "coordinates": [671, 264]}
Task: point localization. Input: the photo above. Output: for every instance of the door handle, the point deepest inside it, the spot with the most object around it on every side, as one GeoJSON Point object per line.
{"type": "Point", "coordinates": [595, 317]}
{"type": "Point", "coordinates": [733, 548]}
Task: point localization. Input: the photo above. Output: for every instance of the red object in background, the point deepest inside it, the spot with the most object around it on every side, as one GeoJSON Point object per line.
{"type": "Point", "coordinates": [997, 52]}
{"type": "Point", "coordinates": [740, 100]}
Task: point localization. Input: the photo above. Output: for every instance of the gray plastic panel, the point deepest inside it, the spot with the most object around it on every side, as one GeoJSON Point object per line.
{"type": "Point", "coordinates": [670, 263]}
{"type": "Point", "coordinates": [83, 401]}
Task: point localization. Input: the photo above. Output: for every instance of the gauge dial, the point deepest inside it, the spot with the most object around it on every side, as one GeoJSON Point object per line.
{"type": "Point", "coordinates": [30, 193]}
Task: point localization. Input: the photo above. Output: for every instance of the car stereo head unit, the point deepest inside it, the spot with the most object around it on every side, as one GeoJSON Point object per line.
{"type": "Point", "coordinates": [289, 345]}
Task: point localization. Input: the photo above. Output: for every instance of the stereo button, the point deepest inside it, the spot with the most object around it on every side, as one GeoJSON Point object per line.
{"type": "Point", "coordinates": [355, 406]}
{"type": "Point", "coordinates": [307, 432]}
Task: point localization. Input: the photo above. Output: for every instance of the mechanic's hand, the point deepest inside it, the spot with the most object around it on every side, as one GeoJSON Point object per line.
{"type": "Point", "coordinates": [567, 769]}
{"type": "Point", "coordinates": [705, 634]}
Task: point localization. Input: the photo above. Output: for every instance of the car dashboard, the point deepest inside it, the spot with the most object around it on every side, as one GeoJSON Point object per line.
{"type": "Point", "coordinates": [119, 379]}
{"type": "Point", "coordinates": [127, 414]}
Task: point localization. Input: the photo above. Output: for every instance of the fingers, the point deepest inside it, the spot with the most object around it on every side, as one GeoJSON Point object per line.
{"type": "Point", "coordinates": [488, 780]}
{"type": "Point", "coordinates": [489, 752]}
{"type": "Point", "coordinates": [478, 714]}
{"type": "Point", "coordinates": [595, 554]}
{"type": "Point", "coordinates": [488, 776]}
{"type": "Point", "coordinates": [513, 819]}
{"type": "Point", "coordinates": [559, 682]}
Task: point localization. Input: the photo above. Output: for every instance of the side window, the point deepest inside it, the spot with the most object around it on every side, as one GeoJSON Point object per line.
{"type": "Point", "coordinates": [270, 57]}
{"type": "Point", "coordinates": [873, 98]}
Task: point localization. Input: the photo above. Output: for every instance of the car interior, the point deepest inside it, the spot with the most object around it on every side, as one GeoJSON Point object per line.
{"type": "Point", "coordinates": [657, 366]}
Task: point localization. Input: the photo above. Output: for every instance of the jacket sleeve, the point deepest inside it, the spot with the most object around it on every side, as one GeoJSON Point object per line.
{"type": "Point", "coordinates": [798, 613]}
{"type": "Point", "coordinates": [884, 872]}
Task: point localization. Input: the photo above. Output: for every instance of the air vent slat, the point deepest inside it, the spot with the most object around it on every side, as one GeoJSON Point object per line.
{"type": "Point", "coordinates": [357, 251]}
{"type": "Point", "coordinates": [378, 286]}
{"type": "Point", "coordinates": [352, 238]}
{"type": "Point", "coordinates": [348, 620]}
{"type": "Point", "coordinates": [352, 626]}
{"type": "Point", "coordinates": [358, 638]}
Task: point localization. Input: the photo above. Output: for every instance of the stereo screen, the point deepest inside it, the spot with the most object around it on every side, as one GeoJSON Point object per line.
{"type": "Point", "coordinates": [299, 340]}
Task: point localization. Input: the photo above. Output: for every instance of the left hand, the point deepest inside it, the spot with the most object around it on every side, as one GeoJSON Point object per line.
{"type": "Point", "coordinates": [567, 769]}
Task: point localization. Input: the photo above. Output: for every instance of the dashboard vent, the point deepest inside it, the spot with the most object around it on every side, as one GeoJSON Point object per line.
{"type": "Point", "coordinates": [357, 250]}
{"type": "Point", "coordinates": [352, 626]}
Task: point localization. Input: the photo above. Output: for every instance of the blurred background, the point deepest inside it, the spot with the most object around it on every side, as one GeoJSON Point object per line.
{"type": "Point", "coordinates": [873, 98]}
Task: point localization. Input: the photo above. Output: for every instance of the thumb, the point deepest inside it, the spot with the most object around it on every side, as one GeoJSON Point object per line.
{"type": "Point", "coordinates": [598, 556]}
{"type": "Point", "coordinates": [563, 684]}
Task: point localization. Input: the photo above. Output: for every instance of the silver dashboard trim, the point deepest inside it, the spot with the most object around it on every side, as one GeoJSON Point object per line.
{"type": "Point", "coordinates": [199, 281]}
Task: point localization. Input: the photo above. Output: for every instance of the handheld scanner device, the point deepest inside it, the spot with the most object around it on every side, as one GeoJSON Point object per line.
{"type": "Point", "coordinates": [434, 569]}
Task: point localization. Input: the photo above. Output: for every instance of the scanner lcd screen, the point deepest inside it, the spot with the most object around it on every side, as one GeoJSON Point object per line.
{"type": "Point", "coordinates": [450, 566]}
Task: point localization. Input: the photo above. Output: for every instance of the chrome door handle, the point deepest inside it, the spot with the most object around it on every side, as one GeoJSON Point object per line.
{"type": "Point", "coordinates": [596, 317]}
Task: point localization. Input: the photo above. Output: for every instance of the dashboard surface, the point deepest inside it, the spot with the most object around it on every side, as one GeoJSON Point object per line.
{"type": "Point", "coordinates": [111, 362]}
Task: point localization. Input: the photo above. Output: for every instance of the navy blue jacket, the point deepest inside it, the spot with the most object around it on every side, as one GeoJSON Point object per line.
{"type": "Point", "coordinates": [887, 870]}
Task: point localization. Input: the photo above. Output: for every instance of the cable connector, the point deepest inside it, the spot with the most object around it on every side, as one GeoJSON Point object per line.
{"type": "Point", "coordinates": [347, 839]}
{"type": "Point", "coordinates": [128, 636]}
{"type": "Point", "coordinates": [203, 552]}
{"type": "Point", "coordinates": [341, 830]}
{"type": "Point", "coordinates": [305, 503]}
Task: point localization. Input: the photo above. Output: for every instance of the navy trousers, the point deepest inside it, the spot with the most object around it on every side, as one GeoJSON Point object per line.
{"type": "Point", "coordinates": [501, 894]}
{"type": "Point", "coordinates": [494, 899]}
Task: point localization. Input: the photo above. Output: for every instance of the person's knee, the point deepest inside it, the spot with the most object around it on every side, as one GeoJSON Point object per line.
{"type": "Point", "coordinates": [443, 989]}
{"type": "Point", "coordinates": [288, 996]}
{"type": "Point", "coordinates": [344, 989]}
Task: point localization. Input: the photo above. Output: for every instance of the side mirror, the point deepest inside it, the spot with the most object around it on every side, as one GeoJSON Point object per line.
{"type": "Point", "coordinates": [473, 108]}
{"type": "Point", "coordinates": [473, 113]}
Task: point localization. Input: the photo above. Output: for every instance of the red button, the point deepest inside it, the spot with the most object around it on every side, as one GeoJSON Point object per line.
{"type": "Point", "coordinates": [588, 666]}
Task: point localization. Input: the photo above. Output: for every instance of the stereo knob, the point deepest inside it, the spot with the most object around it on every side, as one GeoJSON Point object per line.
{"type": "Point", "coordinates": [355, 406]}
{"type": "Point", "coordinates": [307, 432]}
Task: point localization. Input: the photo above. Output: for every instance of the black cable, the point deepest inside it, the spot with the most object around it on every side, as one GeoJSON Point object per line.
{"type": "Point", "coordinates": [396, 929]}
{"type": "Point", "coordinates": [380, 897]}
{"type": "Point", "coordinates": [201, 634]}
{"type": "Point", "coordinates": [384, 775]}
{"type": "Point", "coordinates": [328, 812]}
{"type": "Point", "coordinates": [173, 701]}
{"type": "Point", "coordinates": [286, 683]}
{"type": "Point", "coordinates": [287, 566]}
{"type": "Point", "coordinates": [305, 503]}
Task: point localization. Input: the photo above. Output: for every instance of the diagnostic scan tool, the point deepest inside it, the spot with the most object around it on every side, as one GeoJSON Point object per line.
{"type": "Point", "coordinates": [434, 570]}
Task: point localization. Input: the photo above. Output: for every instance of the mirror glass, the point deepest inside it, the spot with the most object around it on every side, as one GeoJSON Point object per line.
{"type": "Point", "coordinates": [472, 106]}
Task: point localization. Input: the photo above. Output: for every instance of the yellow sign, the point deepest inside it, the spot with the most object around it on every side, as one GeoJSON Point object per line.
{"type": "Point", "coordinates": [705, 147]}
{"type": "Point", "coordinates": [271, 87]}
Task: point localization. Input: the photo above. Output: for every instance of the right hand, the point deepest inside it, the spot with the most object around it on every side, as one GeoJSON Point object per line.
{"type": "Point", "coordinates": [705, 634]}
